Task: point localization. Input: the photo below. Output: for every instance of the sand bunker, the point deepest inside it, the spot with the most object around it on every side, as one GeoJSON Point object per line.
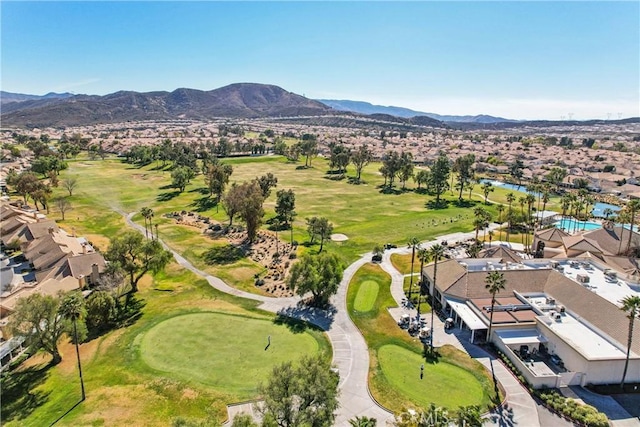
{"type": "Point", "coordinates": [339, 237]}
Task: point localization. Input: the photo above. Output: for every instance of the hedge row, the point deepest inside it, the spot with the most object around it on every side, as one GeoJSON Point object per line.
{"type": "Point", "coordinates": [584, 415]}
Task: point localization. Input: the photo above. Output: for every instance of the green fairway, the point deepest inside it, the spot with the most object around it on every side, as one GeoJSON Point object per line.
{"type": "Point", "coordinates": [227, 352]}
{"type": "Point", "coordinates": [393, 353]}
{"type": "Point", "coordinates": [443, 384]}
{"type": "Point", "coordinates": [366, 297]}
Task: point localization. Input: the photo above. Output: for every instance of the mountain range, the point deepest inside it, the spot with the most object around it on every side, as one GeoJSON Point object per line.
{"type": "Point", "coordinates": [367, 108]}
{"type": "Point", "coordinates": [239, 100]}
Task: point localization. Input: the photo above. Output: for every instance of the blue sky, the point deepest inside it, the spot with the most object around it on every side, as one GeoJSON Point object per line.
{"type": "Point", "coordinates": [523, 60]}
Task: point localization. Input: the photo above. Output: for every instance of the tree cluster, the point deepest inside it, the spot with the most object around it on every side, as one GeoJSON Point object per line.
{"type": "Point", "coordinates": [319, 274]}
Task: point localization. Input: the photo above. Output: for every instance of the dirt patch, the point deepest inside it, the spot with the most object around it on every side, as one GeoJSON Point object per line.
{"type": "Point", "coordinates": [271, 253]}
{"type": "Point", "coordinates": [267, 250]}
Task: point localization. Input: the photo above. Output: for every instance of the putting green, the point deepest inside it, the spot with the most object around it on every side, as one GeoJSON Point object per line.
{"type": "Point", "coordinates": [443, 383]}
{"type": "Point", "coordinates": [366, 296]}
{"type": "Point", "coordinates": [223, 351]}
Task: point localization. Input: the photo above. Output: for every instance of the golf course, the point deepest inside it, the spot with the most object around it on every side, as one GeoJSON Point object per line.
{"type": "Point", "coordinates": [193, 349]}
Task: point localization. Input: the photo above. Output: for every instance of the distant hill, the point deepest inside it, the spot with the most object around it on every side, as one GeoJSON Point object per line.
{"type": "Point", "coordinates": [239, 100]}
{"type": "Point", "coordinates": [7, 97]}
{"type": "Point", "coordinates": [367, 108]}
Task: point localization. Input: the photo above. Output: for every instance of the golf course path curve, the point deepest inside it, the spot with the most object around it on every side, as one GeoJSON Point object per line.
{"type": "Point", "coordinates": [350, 352]}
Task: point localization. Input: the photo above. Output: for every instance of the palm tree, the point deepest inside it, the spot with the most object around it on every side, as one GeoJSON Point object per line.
{"type": "Point", "coordinates": [607, 212]}
{"type": "Point", "coordinates": [72, 307]}
{"type": "Point", "coordinates": [530, 199]}
{"type": "Point", "coordinates": [566, 205]}
{"type": "Point", "coordinates": [631, 306]}
{"type": "Point", "coordinates": [363, 422]}
{"type": "Point", "coordinates": [510, 199]}
{"type": "Point", "coordinates": [500, 211]}
{"type": "Point", "coordinates": [632, 206]}
{"type": "Point", "coordinates": [468, 416]}
{"type": "Point", "coordinates": [414, 244]}
{"type": "Point", "coordinates": [147, 213]}
{"type": "Point", "coordinates": [546, 195]}
{"type": "Point", "coordinates": [487, 188]}
{"type": "Point", "coordinates": [435, 253]}
{"type": "Point", "coordinates": [495, 283]}
{"type": "Point", "coordinates": [423, 256]}
{"type": "Point", "coordinates": [522, 201]}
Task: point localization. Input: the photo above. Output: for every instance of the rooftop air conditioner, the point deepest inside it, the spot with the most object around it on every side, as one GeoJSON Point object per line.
{"type": "Point", "coordinates": [557, 317]}
{"type": "Point", "coordinates": [561, 308]}
{"type": "Point", "coordinates": [551, 301]}
{"type": "Point", "coordinates": [582, 278]}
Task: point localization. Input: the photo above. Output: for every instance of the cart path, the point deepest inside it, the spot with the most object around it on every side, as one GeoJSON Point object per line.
{"type": "Point", "coordinates": [350, 351]}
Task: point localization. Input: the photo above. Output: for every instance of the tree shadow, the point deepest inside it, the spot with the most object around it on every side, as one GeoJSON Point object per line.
{"type": "Point", "coordinates": [19, 399]}
{"type": "Point", "coordinates": [204, 204]}
{"type": "Point", "coordinates": [334, 177]}
{"type": "Point", "coordinates": [421, 191]}
{"type": "Point", "coordinates": [131, 311]}
{"type": "Point", "coordinates": [431, 358]}
{"type": "Point", "coordinates": [385, 189]}
{"type": "Point", "coordinates": [302, 167]}
{"type": "Point", "coordinates": [294, 325]}
{"type": "Point", "coordinates": [321, 317]}
{"type": "Point", "coordinates": [202, 190]}
{"type": "Point", "coordinates": [465, 203]}
{"type": "Point", "coordinates": [67, 413]}
{"type": "Point", "coordinates": [165, 197]}
{"type": "Point", "coordinates": [167, 187]}
{"type": "Point", "coordinates": [442, 204]}
{"type": "Point", "coordinates": [355, 181]}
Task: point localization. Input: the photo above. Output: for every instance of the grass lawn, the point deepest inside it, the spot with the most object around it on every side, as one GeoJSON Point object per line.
{"type": "Point", "coordinates": [366, 296]}
{"type": "Point", "coordinates": [122, 389]}
{"type": "Point", "coordinates": [449, 384]}
{"type": "Point", "coordinates": [224, 351]}
{"type": "Point", "coordinates": [361, 212]}
{"type": "Point", "coordinates": [393, 353]}
{"type": "Point", "coordinates": [402, 263]}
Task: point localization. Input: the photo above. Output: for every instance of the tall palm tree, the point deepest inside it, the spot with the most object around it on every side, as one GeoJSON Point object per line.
{"type": "Point", "coordinates": [633, 206]}
{"type": "Point", "coordinates": [494, 283]}
{"type": "Point", "coordinates": [414, 244]}
{"type": "Point", "coordinates": [423, 256]}
{"type": "Point", "coordinates": [510, 199]}
{"type": "Point", "coordinates": [546, 195]}
{"type": "Point", "coordinates": [631, 306]}
{"type": "Point", "coordinates": [500, 211]}
{"type": "Point", "coordinates": [435, 253]}
{"type": "Point", "coordinates": [147, 213]}
{"type": "Point", "coordinates": [531, 199]}
{"type": "Point", "coordinates": [72, 308]}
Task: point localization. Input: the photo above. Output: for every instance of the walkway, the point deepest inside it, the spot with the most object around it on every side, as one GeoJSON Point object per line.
{"type": "Point", "coordinates": [350, 352]}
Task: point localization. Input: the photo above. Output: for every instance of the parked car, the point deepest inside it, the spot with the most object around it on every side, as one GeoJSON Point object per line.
{"type": "Point", "coordinates": [376, 258]}
{"type": "Point", "coordinates": [390, 246]}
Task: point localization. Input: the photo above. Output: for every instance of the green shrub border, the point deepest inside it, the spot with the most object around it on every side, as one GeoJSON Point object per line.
{"type": "Point", "coordinates": [583, 415]}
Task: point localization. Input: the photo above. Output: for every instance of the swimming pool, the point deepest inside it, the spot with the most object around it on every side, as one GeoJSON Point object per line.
{"type": "Point", "coordinates": [570, 225]}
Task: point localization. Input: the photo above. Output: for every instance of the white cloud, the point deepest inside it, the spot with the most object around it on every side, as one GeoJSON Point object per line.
{"type": "Point", "coordinates": [523, 108]}
{"type": "Point", "coordinates": [70, 85]}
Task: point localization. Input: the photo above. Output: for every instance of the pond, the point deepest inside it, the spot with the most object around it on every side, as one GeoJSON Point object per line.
{"type": "Point", "coordinates": [508, 186]}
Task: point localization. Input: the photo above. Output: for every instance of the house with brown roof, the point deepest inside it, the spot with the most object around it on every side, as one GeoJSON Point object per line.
{"type": "Point", "coordinates": [562, 310]}
{"type": "Point", "coordinates": [55, 262]}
